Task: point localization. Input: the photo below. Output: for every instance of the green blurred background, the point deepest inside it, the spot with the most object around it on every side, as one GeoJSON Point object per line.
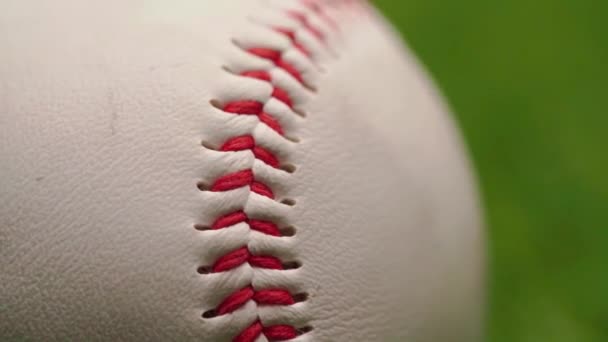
{"type": "Point", "coordinates": [528, 81]}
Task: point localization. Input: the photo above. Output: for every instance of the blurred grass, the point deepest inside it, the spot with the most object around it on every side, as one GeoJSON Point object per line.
{"type": "Point", "coordinates": [528, 81]}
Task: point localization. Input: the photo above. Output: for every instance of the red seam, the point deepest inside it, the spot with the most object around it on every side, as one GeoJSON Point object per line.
{"type": "Point", "coordinates": [315, 7]}
{"type": "Point", "coordinates": [303, 20]}
{"type": "Point", "coordinates": [247, 142]}
{"type": "Point", "coordinates": [246, 178]}
{"type": "Point", "coordinates": [274, 333]}
{"type": "Point", "coordinates": [277, 59]}
{"type": "Point", "coordinates": [262, 297]}
{"type": "Point", "coordinates": [241, 179]}
{"type": "Point", "coordinates": [292, 36]}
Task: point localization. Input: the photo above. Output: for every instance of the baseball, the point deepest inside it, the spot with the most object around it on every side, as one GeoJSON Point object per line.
{"type": "Point", "coordinates": [237, 170]}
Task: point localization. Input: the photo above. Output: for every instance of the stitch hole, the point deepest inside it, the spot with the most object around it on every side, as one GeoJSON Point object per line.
{"type": "Point", "coordinates": [217, 104]}
{"type": "Point", "coordinates": [288, 231]}
{"type": "Point", "coordinates": [300, 112]}
{"type": "Point", "coordinates": [201, 227]}
{"type": "Point", "coordinates": [210, 313]}
{"type": "Point", "coordinates": [304, 330]}
{"type": "Point", "coordinates": [292, 265]}
{"type": "Point", "coordinates": [204, 270]}
{"type": "Point", "coordinates": [288, 201]}
{"type": "Point", "coordinates": [310, 88]}
{"type": "Point", "coordinates": [289, 168]}
{"type": "Point", "coordinates": [208, 145]}
{"type": "Point", "coordinates": [293, 139]}
{"type": "Point", "coordinates": [228, 70]}
{"type": "Point", "coordinates": [237, 44]}
{"type": "Point", "coordinates": [203, 186]}
{"type": "Point", "coordinates": [300, 297]}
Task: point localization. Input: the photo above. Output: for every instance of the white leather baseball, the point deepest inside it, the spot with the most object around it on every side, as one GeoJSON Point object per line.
{"type": "Point", "coordinates": [236, 170]}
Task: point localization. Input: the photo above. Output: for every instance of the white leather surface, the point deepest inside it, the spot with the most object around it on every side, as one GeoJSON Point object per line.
{"type": "Point", "coordinates": [103, 107]}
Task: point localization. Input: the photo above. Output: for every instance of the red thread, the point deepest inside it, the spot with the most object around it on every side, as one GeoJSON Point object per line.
{"type": "Point", "coordinates": [244, 178]}
{"type": "Point", "coordinates": [258, 74]}
{"type": "Point", "coordinates": [292, 36]}
{"type": "Point", "coordinates": [262, 189]}
{"type": "Point", "coordinates": [242, 255]}
{"type": "Point", "coordinates": [273, 333]}
{"type": "Point", "coordinates": [271, 122]}
{"type": "Point", "coordinates": [231, 260]}
{"type": "Point", "coordinates": [233, 181]}
{"type": "Point", "coordinates": [280, 332]}
{"type": "Point", "coordinates": [275, 57]}
{"type": "Point", "coordinates": [240, 179]}
{"type": "Point", "coordinates": [262, 261]}
{"type": "Point", "coordinates": [262, 297]}
{"type": "Point", "coordinates": [315, 7]}
{"type": "Point", "coordinates": [247, 142]}
{"type": "Point", "coordinates": [229, 220]}
{"type": "Point", "coordinates": [303, 20]}
{"type": "Point", "coordinates": [235, 301]}
{"type": "Point", "coordinates": [266, 227]}
{"type": "Point", "coordinates": [252, 107]}
{"type": "Point", "coordinates": [250, 334]}
{"type": "Point", "coordinates": [273, 297]}
{"type": "Point", "coordinates": [282, 95]}
{"type": "Point", "coordinates": [278, 93]}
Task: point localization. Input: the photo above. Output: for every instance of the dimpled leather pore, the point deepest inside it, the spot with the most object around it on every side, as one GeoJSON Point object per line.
{"type": "Point", "coordinates": [236, 170]}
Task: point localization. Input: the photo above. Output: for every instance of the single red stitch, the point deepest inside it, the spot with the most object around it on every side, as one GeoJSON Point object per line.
{"type": "Point", "coordinates": [233, 181]}
{"type": "Point", "coordinates": [265, 156]}
{"type": "Point", "coordinates": [292, 36]}
{"type": "Point", "coordinates": [243, 142]}
{"type": "Point", "coordinates": [247, 142]}
{"type": "Point", "coordinates": [282, 95]}
{"type": "Point", "coordinates": [262, 189]}
{"type": "Point", "coordinates": [231, 260]}
{"type": "Point", "coordinates": [250, 334]}
{"type": "Point", "coordinates": [280, 332]}
{"type": "Point", "coordinates": [235, 300]}
{"type": "Point", "coordinates": [290, 70]}
{"type": "Point", "coordinates": [289, 33]}
{"type": "Point", "coordinates": [266, 53]}
{"type": "Point", "coordinates": [242, 255]}
{"type": "Point", "coordinates": [258, 74]}
{"type": "Point", "coordinates": [273, 297]}
{"type": "Point", "coordinates": [271, 122]}
{"type": "Point", "coordinates": [263, 261]}
{"type": "Point", "coordinates": [240, 179]}
{"type": "Point", "coordinates": [250, 107]}
{"type": "Point", "coordinates": [274, 333]}
{"type": "Point", "coordinates": [263, 297]}
{"type": "Point", "coordinates": [303, 20]}
{"type": "Point", "coordinates": [229, 220]}
{"type": "Point", "coordinates": [275, 57]}
{"type": "Point", "coordinates": [315, 7]}
{"type": "Point", "coordinates": [278, 93]}
{"type": "Point", "coordinates": [265, 227]}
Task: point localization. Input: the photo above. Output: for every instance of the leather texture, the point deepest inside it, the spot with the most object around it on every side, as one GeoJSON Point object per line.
{"type": "Point", "coordinates": [103, 108]}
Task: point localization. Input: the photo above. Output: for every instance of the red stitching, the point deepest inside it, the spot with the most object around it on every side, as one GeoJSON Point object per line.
{"type": "Point", "coordinates": [303, 20]}
{"type": "Point", "coordinates": [247, 142]}
{"type": "Point", "coordinates": [292, 36]}
{"type": "Point", "coordinates": [275, 333]}
{"type": "Point", "coordinates": [277, 59]}
{"type": "Point", "coordinates": [247, 178]}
